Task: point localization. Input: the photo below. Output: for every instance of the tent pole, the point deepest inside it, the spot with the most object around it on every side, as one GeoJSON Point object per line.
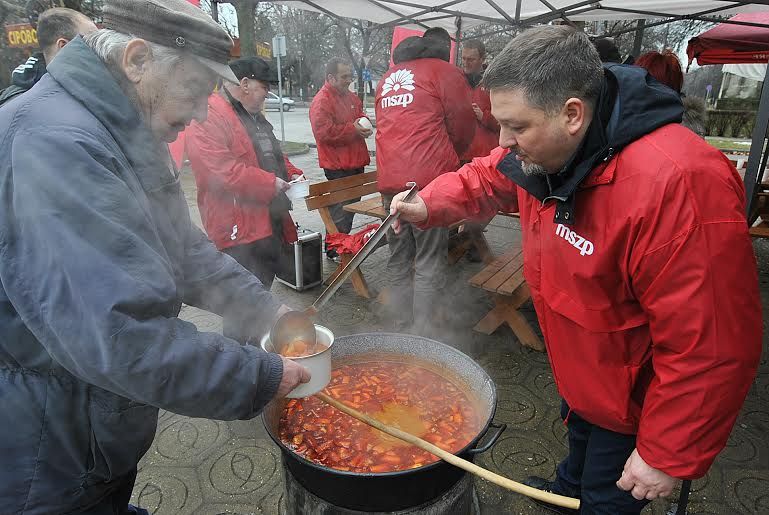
{"type": "Point", "coordinates": [396, 13]}
{"type": "Point", "coordinates": [754, 173]}
{"type": "Point", "coordinates": [502, 12]}
{"type": "Point", "coordinates": [458, 35]}
{"type": "Point", "coordinates": [655, 14]}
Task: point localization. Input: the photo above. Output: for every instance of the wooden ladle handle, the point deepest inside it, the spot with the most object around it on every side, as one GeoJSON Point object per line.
{"type": "Point", "coordinates": [558, 500]}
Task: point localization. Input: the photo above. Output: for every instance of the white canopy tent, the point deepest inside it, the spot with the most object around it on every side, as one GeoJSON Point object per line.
{"type": "Point", "coordinates": [446, 13]}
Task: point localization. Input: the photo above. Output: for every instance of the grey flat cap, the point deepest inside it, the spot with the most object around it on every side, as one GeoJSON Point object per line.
{"type": "Point", "coordinates": [175, 24]}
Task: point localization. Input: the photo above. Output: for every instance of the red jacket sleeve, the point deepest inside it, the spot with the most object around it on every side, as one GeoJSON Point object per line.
{"type": "Point", "coordinates": [476, 192]}
{"type": "Point", "coordinates": [212, 160]}
{"type": "Point", "coordinates": [459, 117]}
{"type": "Point", "coordinates": [484, 103]}
{"type": "Point", "coordinates": [698, 283]}
{"type": "Point", "coordinates": [325, 129]}
{"type": "Point", "coordinates": [359, 108]}
{"type": "Point", "coordinates": [292, 170]}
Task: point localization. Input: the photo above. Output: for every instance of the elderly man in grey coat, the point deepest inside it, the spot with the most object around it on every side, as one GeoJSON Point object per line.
{"type": "Point", "coordinates": [97, 255]}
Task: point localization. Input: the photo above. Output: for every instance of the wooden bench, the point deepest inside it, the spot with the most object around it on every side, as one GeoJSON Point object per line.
{"type": "Point", "coordinates": [459, 244]}
{"type": "Point", "coordinates": [324, 194]}
{"type": "Point", "coordinates": [503, 279]}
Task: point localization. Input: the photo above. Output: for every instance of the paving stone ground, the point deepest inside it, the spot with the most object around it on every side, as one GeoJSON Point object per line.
{"type": "Point", "coordinates": [210, 467]}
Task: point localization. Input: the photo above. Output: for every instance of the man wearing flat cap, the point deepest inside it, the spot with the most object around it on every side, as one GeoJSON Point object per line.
{"type": "Point", "coordinates": [98, 255]}
{"type": "Point", "coordinates": [242, 176]}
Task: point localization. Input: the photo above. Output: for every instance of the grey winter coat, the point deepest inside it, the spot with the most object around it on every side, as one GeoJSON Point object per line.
{"type": "Point", "coordinates": [97, 255]}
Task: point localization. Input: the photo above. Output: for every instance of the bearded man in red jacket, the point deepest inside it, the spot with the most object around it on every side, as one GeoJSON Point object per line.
{"type": "Point", "coordinates": [637, 254]}
{"type": "Point", "coordinates": [242, 175]}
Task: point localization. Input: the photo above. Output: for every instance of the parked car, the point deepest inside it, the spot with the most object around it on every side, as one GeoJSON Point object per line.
{"type": "Point", "coordinates": [273, 102]}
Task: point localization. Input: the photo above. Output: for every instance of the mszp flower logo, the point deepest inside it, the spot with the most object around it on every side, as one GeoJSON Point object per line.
{"type": "Point", "coordinates": [399, 79]}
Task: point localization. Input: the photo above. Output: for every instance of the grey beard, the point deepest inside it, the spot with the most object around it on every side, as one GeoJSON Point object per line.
{"type": "Point", "coordinates": [533, 169]}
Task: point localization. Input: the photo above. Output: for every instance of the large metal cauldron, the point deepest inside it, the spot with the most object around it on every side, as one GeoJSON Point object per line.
{"type": "Point", "coordinates": [394, 491]}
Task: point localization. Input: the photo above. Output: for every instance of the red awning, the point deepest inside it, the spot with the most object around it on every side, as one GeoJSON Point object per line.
{"type": "Point", "coordinates": [732, 44]}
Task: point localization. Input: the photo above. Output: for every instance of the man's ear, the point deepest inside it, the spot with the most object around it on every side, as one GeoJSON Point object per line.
{"type": "Point", "coordinates": [575, 112]}
{"type": "Point", "coordinates": [136, 58]}
{"type": "Point", "coordinates": [61, 43]}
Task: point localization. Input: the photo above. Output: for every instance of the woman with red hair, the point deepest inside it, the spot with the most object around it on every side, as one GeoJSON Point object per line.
{"type": "Point", "coordinates": [666, 68]}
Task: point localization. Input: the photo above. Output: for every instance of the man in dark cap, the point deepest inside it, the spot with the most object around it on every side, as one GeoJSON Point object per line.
{"type": "Point", "coordinates": [242, 175]}
{"type": "Point", "coordinates": [98, 255]}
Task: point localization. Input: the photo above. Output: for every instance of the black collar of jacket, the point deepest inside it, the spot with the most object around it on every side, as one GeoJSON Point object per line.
{"type": "Point", "coordinates": [630, 105]}
{"type": "Point", "coordinates": [82, 74]}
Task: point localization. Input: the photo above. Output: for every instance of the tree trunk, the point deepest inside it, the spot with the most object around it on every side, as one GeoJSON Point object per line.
{"type": "Point", "coordinates": [639, 38]}
{"type": "Point", "coordinates": [246, 11]}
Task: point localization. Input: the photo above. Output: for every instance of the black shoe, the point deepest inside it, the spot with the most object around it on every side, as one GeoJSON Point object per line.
{"type": "Point", "coordinates": [547, 486]}
{"type": "Point", "coordinates": [473, 255]}
{"type": "Point", "coordinates": [333, 255]}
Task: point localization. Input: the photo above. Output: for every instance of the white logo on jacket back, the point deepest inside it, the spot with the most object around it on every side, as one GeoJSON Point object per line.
{"type": "Point", "coordinates": [584, 246]}
{"type": "Point", "coordinates": [397, 81]}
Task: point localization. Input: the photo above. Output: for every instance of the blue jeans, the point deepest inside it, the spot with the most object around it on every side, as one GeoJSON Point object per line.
{"type": "Point", "coordinates": [594, 464]}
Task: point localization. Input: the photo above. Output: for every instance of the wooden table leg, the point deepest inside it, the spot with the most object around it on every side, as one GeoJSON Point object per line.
{"type": "Point", "coordinates": [523, 330]}
{"type": "Point", "coordinates": [359, 283]}
{"type": "Point", "coordinates": [505, 310]}
{"type": "Point", "coordinates": [493, 319]}
{"type": "Point", "coordinates": [479, 241]}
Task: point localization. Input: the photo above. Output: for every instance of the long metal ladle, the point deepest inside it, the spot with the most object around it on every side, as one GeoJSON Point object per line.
{"type": "Point", "coordinates": [297, 325]}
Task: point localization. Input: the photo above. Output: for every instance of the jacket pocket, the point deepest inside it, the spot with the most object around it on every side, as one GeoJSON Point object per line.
{"type": "Point", "coordinates": [121, 432]}
{"type": "Point", "coordinates": [598, 358]}
{"type": "Point", "coordinates": [606, 317]}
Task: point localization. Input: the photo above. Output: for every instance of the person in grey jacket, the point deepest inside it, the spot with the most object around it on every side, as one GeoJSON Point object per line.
{"type": "Point", "coordinates": [97, 255]}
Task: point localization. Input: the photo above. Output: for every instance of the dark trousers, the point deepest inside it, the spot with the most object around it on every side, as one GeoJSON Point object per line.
{"type": "Point", "coordinates": [342, 219]}
{"type": "Point", "coordinates": [416, 274]}
{"type": "Point", "coordinates": [594, 464]}
{"type": "Point", "coordinates": [263, 258]}
{"type": "Point", "coordinates": [117, 502]}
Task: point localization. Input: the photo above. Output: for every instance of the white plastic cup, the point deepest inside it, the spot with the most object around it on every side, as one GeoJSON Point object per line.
{"type": "Point", "coordinates": [365, 123]}
{"type": "Point", "coordinates": [298, 190]}
{"type": "Point", "coordinates": [319, 364]}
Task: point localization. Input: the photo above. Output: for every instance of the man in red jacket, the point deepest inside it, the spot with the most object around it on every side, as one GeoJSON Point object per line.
{"type": "Point", "coordinates": [637, 254]}
{"type": "Point", "coordinates": [341, 140]}
{"type": "Point", "coordinates": [424, 121]}
{"type": "Point", "coordinates": [486, 136]}
{"type": "Point", "coordinates": [242, 175]}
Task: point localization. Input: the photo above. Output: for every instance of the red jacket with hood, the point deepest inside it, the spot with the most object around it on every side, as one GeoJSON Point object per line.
{"type": "Point", "coordinates": [424, 121]}
{"type": "Point", "coordinates": [648, 299]}
{"type": "Point", "coordinates": [234, 193]}
{"type": "Point", "coordinates": [332, 115]}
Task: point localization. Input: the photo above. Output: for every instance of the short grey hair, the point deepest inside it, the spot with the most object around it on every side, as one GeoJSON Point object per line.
{"type": "Point", "coordinates": [550, 64]}
{"type": "Point", "coordinates": [109, 45]}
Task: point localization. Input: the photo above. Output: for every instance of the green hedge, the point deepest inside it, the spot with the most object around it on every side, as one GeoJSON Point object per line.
{"type": "Point", "coordinates": [730, 124]}
{"type": "Point", "coordinates": [737, 104]}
